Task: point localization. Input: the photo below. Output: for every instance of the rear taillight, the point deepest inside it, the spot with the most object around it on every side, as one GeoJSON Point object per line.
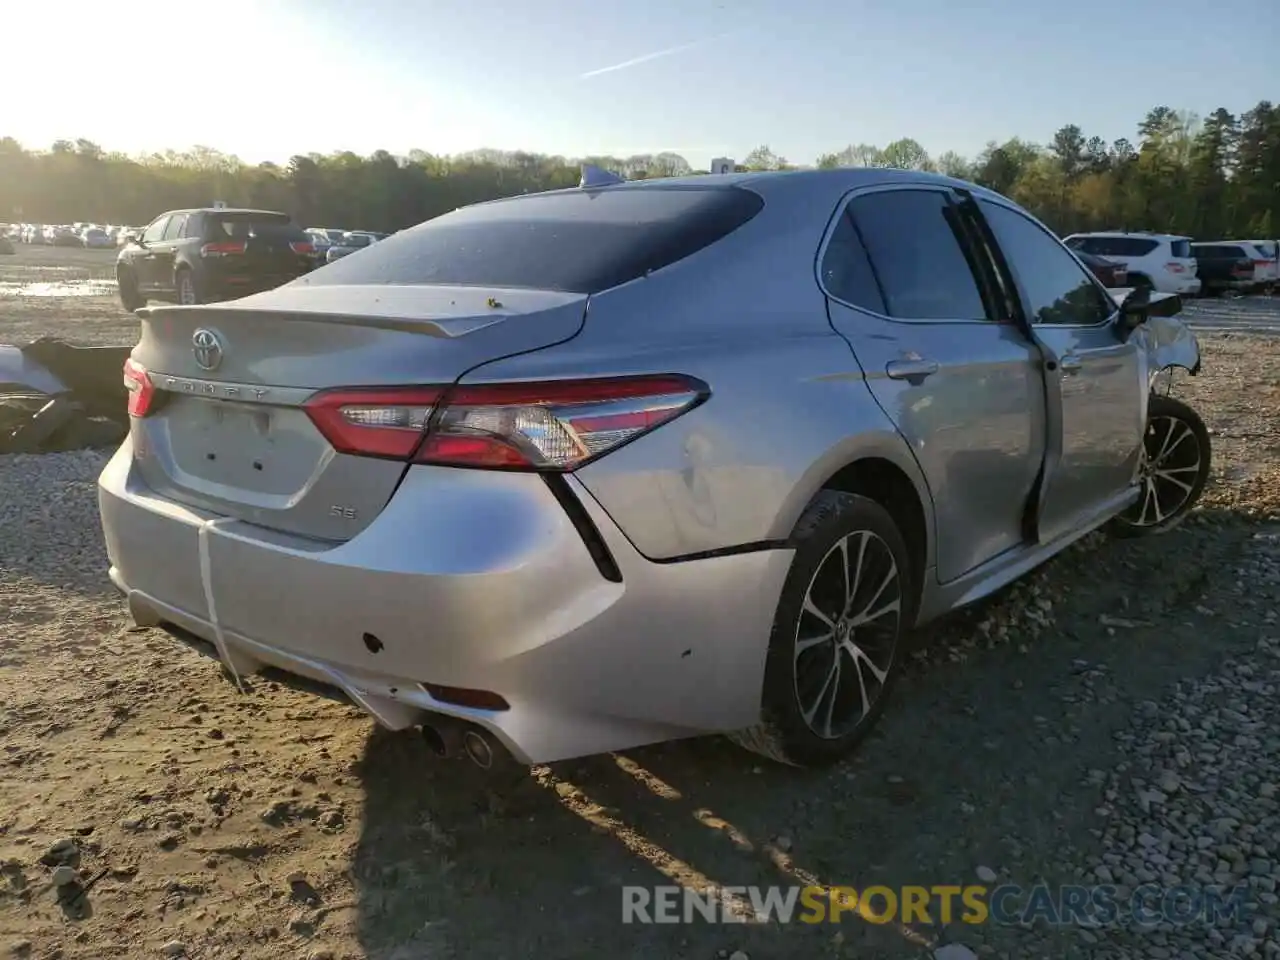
{"type": "Point", "coordinates": [301, 246]}
{"type": "Point", "coordinates": [1242, 270]}
{"type": "Point", "coordinates": [1173, 267]}
{"type": "Point", "coordinates": [228, 248]}
{"type": "Point", "coordinates": [555, 426]}
{"type": "Point", "coordinates": [141, 390]}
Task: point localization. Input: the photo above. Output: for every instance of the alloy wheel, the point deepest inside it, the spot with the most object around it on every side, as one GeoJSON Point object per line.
{"type": "Point", "coordinates": [846, 640]}
{"type": "Point", "coordinates": [1168, 466]}
{"type": "Point", "coordinates": [186, 290]}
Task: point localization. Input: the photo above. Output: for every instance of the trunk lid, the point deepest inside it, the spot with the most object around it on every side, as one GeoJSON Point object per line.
{"type": "Point", "coordinates": [227, 432]}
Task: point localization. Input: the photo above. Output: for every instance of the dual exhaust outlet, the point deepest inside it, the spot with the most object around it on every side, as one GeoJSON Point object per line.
{"type": "Point", "coordinates": [447, 737]}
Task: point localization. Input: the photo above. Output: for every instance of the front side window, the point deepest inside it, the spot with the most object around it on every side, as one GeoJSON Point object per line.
{"type": "Point", "coordinates": [911, 239]}
{"type": "Point", "coordinates": [155, 232]}
{"type": "Point", "coordinates": [174, 230]}
{"type": "Point", "coordinates": [1057, 288]}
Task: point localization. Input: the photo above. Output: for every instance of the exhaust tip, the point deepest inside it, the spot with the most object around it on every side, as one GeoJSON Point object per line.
{"type": "Point", "coordinates": [435, 741]}
{"type": "Point", "coordinates": [478, 750]}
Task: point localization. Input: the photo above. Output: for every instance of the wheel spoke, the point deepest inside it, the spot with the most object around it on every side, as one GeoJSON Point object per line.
{"type": "Point", "coordinates": [811, 608]}
{"type": "Point", "coordinates": [852, 583]}
{"type": "Point", "coordinates": [1183, 432]}
{"type": "Point", "coordinates": [833, 674]}
{"type": "Point", "coordinates": [1167, 476]}
{"type": "Point", "coordinates": [867, 614]}
{"type": "Point", "coordinates": [810, 642]}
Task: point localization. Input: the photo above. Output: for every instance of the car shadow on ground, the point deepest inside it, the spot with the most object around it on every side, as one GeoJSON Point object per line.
{"type": "Point", "coordinates": [452, 861]}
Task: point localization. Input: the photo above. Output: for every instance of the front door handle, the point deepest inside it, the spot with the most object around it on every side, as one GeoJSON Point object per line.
{"type": "Point", "coordinates": [910, 369]}
{"type": "Point", "coordinates": [1070, 363]}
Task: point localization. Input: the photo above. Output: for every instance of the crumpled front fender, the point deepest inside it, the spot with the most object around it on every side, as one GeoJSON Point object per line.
{"type": "Point", "coordinates": [1167, 342]}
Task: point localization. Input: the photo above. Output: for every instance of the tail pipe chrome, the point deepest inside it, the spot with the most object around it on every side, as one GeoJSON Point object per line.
{"type": "Point", "coordinates": [447, 737]}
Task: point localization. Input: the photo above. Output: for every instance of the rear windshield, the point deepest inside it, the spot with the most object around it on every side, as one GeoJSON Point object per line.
{"type": "Point", "coordinates": [356, 240]}
{"type": "Point", "coordinates": [575, 241]}
{"type": "Point", "coordinates": [243, 225]}
{"type": "Point", "coordinates": [1181, 248]}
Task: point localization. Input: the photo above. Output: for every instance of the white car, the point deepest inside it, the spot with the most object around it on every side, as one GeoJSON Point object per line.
{"type": "Point", "coordinates": [1160, 261]}
{"type": "Point", "coordinates": [1266, 269]}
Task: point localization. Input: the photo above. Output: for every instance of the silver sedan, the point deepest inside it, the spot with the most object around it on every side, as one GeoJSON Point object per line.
{"type": "Point", "coordinates": [572, 472]}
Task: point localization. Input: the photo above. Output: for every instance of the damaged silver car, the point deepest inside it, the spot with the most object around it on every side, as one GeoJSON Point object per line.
{"type": "Point", "coordinates": [576, 471]}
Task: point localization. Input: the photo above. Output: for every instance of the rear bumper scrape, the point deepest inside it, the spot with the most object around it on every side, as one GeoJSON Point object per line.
{"type": "Point", "coordinates": [467, 579]}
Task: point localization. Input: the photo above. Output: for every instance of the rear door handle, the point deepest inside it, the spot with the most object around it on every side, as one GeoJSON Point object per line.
{"type": "Point", "coordinates": [1070, 363]}
{"type": "Point", "coordinates": [910, 369]}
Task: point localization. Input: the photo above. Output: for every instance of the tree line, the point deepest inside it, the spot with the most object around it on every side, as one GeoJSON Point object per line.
{"type": "Point", "coordinates": [1209, 178]}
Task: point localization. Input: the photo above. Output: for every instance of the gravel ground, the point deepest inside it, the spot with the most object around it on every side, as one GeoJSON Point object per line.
{"type": "Point", "coordinates": [1109, 719]}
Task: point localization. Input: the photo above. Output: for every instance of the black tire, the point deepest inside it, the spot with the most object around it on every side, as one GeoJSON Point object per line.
{"type": "Point", "coordinates": [130, 298]}
{"type": "Point", "coordinates": [1164, 502]}
{"type": "Point", "coordinates": [784, 733]}
{"type": "Point", "coordinates": [185, 289]}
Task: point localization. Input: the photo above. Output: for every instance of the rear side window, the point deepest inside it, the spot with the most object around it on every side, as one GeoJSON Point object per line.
{"type": "Point", "coordinates": [916, 256]}
{"type": "Point", "coordinates": [1180, 248]}
{"type": "Point", "coordinates": [575, 241]}
{"type": "Point", "coordinates": [1116, 246]}
{"type": "Point", "coordinates": [846, 269]}
{"type": "Point", "coordinates": [241, 226]}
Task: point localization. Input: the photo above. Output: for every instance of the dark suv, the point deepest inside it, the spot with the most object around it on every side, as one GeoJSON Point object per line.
{"type": "Point", "coordinates": [200, 256]}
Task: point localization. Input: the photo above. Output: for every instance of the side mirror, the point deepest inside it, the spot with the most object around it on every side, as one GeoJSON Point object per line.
{"type": "Point", "coordinates": [133, 238]}
{"type": "Point", "coordinates": [1139, 305]}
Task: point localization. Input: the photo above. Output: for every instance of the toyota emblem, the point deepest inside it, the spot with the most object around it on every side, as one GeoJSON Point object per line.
{"type": "Point", "coordinates": [207, 349]}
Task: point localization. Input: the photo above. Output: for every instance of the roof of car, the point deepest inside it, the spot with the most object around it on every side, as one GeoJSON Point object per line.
{"type": "Point", "coordinates": [235, 210]}
{"type": "Point", "coordinates": [1132, 233]}
{"type": "Point", "coordinates": [808, 184]}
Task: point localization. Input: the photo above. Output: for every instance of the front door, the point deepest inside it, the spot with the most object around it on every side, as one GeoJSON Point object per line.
{"type": "Point", "coordinates": [1094, 377]}
{"type": "Point", "coordinates": [145, 259]}
{"type": "Point", "coordinates": [963, 388]}
{"type": "Point", "coordinates": [166, 254]}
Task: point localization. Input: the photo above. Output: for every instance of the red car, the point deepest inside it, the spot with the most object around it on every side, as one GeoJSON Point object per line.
{"type": "Point", "coordinates": [1108, 272]}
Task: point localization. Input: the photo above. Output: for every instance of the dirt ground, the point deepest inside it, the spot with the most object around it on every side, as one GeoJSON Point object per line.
{"type": "Point", "coordinates": [272, 824]}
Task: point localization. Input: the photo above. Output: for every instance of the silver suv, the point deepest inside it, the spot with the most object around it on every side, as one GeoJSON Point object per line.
{"type": "Point", "coordinates": [576, 471]}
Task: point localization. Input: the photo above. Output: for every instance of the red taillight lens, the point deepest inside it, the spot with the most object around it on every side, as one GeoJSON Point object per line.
{"type": "Point", "coordinates": [301, 246]}
{"type": "Point", "coordinates": [228, 248]}
{"type": "Point", "coordinates": [141, 390]}
{"type": "Point", "coordinates": [1175, 268]}
{"type": "Point", "coordinates": [556, 426]}
{"type": "Point", "coordinates": [374, 422]}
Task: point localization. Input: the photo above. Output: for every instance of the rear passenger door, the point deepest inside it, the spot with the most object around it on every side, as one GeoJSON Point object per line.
{"type": "Point", "coordinates": [907, 291]}
{"type": "Point", "coordinates": [1096, 380]}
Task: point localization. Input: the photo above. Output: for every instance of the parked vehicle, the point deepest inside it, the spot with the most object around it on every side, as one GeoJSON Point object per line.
{"type": "Point", "coordinates": [1155, 261]}
{"type": "Point", "coordinates": [97, 239]}
{"type": "Point", "coordinates": [65, 237]}
{"type": "Point", "coordinates": [1266, 266]}
{"type": "Point", "coordinates": [575, 471]}
{"type": "Point", "coordinates": [1225, 267]}
{"type": "Point", "coordinates": [350, 243]}
{"type": "Point", "coordinates": [202, 256]}
{"type": "Point", "coordinates": [1110, 274]}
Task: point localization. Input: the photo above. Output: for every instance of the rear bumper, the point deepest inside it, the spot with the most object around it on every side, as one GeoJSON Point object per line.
{"type": "Point", "coordinates": [467, 579]}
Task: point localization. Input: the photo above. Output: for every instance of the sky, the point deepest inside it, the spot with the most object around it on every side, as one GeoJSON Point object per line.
{"type": "Point", "coordinates": [265, 79]}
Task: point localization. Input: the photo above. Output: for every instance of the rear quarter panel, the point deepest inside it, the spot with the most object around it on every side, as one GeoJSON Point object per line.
{"type": "Point", "coordinates": [789, 405]}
